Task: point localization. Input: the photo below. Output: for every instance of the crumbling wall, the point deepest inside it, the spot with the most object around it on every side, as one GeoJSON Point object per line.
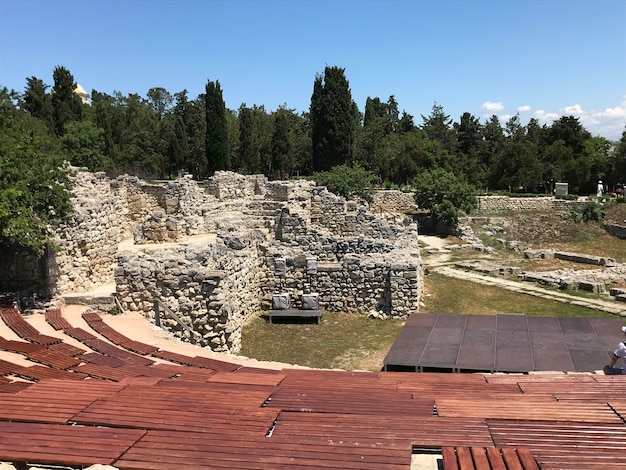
{"type": "Point", "coordinates": [213, 287]}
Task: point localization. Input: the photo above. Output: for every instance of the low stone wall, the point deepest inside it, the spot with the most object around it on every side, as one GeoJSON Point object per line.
{"type": "Point", "coordinates": [392, 201]}
{"type": "Point", "coordinates": [506, 203]}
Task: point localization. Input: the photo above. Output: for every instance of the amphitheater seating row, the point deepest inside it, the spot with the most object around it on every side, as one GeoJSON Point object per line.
{"type": "Point", "coordinates": [164, 410]}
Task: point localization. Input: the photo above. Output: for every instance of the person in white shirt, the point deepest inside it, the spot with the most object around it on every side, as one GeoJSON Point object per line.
{"type": "Point", "coordinates": [619, 353]}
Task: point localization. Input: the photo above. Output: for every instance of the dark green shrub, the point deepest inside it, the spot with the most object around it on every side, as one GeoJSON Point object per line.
{"type": "Point", "coordinates": [348, 181]}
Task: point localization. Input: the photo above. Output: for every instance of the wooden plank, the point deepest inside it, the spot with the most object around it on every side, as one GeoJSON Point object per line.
{"type": "Point", "coordinates": [527, 459]}
{"type": "Point", "coordinates": [464, 455]}
{"type": "Point", "coordinates": [479, 456]}
{"type": "Point", "coordinates": [495, 459]}
{"type": "Point", "coordinates": [55, 359]}
{"type": "Point", "coordinates": [449, 458]}
{"type": "Point", "coordinates": [73, 445]}
{"type": "Point", "coordinates": [56, 320]}
{"type": "Point", "coordinates": [510, 459]}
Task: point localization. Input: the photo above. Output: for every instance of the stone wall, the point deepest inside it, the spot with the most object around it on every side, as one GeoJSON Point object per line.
{"type": "Point", "coordinates": [390, 285]}
{"type": "Point", "coordinates": [392, 201]}
{"type": "Point", "coordinates": [212, 287]}
{"type": "Point", "coordinates": [506, 203]}
{"type": "Point", "coordinates": [89, 238]}
{"type": "Point", "coordinates": [203, 249]}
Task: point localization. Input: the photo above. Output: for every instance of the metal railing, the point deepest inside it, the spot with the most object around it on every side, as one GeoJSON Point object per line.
{"type": "Point", "coordinates": [160, 306]}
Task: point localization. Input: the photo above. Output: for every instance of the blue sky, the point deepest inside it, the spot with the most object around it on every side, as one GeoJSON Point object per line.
{"type": "Point", "coordinates": [541, 58]}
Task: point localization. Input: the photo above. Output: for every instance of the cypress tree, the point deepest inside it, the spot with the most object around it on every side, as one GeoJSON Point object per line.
{"type": "Point", "coordinates": [333, 119]}
{"type": "Point", "coordinates": [66, 105]}
{"type": "Point", "coordinates": [216, 138]}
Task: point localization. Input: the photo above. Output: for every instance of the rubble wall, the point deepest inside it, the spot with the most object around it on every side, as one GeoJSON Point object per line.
{"type": "Point", "coordinates": [506, 203]}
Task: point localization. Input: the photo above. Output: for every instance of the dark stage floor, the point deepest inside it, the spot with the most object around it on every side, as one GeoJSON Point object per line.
{"type": "Point", "coordinates": [503, 343]}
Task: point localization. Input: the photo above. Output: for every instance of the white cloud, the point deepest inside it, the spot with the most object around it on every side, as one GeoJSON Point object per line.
{"type": "Point", "coordinates": [544, 116]}
{"type": "Point", "coordinates": [492, 107]}
{"type": "Point", "coordinates": [609, 123]}
{"type": "Point", "coordinates": [575, 110]}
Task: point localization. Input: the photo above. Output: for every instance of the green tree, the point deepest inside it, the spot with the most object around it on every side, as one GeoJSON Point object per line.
{"type": "Point", "coordinates": [196, 132]}
{"type": "Point", "coordinates": [281, 145]}
{"type": "Point", "coordinates": [33, 186]}
{"type": "Point", "coordinates": [255, 140]}
{"type": "Point", "coordinates": [334, 117]}
{"type": "Point", "coordinates": [232, 125]}
{"type": "Point", "coordinates": [619, 160]}
{"type": "Point", "coordinates": [37, 100]}
{"type": "Point", "coordinates": [374, 109]}
{"type": "Point", "coordinates": [444, 195]}
{"type": "Point", "coordinates": [160, 100]}
{"type": "Point", "coordinates": [66, 105]}
{"type": "Point", "coordinates": [216, 141]}
{"type": "Point", "coordinates": [83, 145]}
{"type": "Point", "coordinates": [438, 128]}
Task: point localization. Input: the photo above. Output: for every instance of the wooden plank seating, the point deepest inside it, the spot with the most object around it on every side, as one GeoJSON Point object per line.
{"type": "Point", "coordinates": [6, 367]}
{"type": "Point", "coordinates": [161, 450]}
{"type": "Point", "coordinates": [67, 349]}
{"type": "Point", "coordinates": [198, 412]}
{"type": "Point", "coordinates": [430, 432]}
{"type": "Point", "coordinates": [21, 347]}
{"type": "Point", "coordinates": [13, 387]}
{"type": "Point", "coordinates": [136, 370]}
{"type": "Point", "coordinates": [173, 357]}
{"type": "Point", "coordinates": [183, 373]}
{"type": "Point", "coordinates": [528, 408]}
{"type": "Point", "coordinates": [79, 334]}
{"type": "Point", "coordinates": [31, 405]}
{"type": "Point", "coordinates": [374, 400]}
{"type": "Point", "coordinates": [214, 364]}
{"type": "Point", "coordinates": [39, 372]}
{"type": "Point", "coordinates": [139, 347]}
{"type": "Point", "coordinates": [91, 317]}
{"type": "Point", "coordinates": [101, 359]}
{"type": "Point", "coordinates": [14, 320]}
{"type": "Point", "coordinates": [64, 445]}
{"type": "Point", "coordinates": [109, 349]}
{"type": "Point", "coordinates": [200, 408]}
{"type": "Point", "coordinates": [565, 445]}
{"type": "Point", "coordinates": [55, 359]}
{"type": "Point", "coordinates": [55, 319]}
{"type": "Point", "coordinates": [99, 371]}
{"type": "Point", "coordinates": [488, 458]}
{"type": "Point", "coordinates": [250, 378]}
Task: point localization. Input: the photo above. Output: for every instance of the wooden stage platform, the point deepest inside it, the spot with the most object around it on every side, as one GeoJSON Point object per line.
{"type": "Point", "coordinates": [503, 343]}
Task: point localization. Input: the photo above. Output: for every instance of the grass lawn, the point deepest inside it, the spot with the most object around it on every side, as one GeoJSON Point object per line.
{"type": "Point", "coordinates": [354, 342]}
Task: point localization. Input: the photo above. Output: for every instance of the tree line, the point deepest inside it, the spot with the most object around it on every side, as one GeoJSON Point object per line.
{"type": "Point", "coordinates": [163, 134]}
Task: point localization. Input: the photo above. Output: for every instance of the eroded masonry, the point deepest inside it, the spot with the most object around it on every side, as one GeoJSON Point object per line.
{"type": "Point", "coordinates": [207, 250]}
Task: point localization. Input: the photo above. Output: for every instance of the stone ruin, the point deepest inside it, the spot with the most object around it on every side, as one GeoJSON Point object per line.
{"type": "Point", "coordinates": [206, 251]}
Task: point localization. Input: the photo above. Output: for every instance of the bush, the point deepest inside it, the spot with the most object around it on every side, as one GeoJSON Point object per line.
{"type": "Point", "coordinates": [589, 212]}
{"type": "Point", "coordinates": [593, 212]}
{"type": "Point", "coordinates": [348, 181]}
{"type": "Point", "coordinates": [444, 195]}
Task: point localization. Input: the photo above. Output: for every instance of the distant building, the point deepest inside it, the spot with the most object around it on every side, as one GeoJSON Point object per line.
{"type": "Point", "coordinates": [80, 91]}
